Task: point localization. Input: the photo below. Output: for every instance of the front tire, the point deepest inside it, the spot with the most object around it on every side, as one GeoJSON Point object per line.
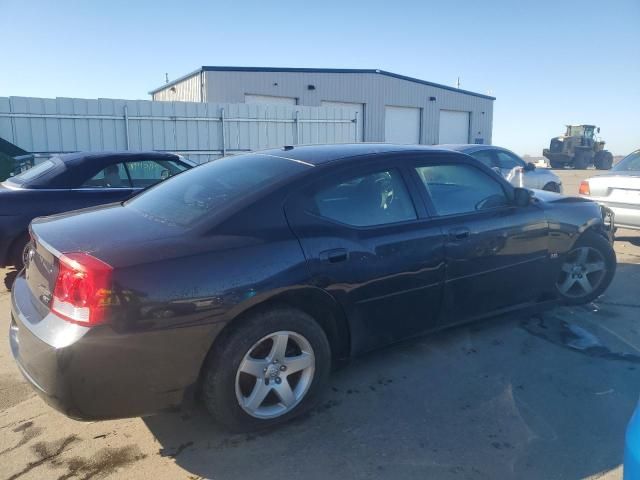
{"type": "Point", "coordinates": [267, 370]}
{"type": "Point", "coordinates": [587, 269]}
{"type": "Point", "coordinates": [603, 160]}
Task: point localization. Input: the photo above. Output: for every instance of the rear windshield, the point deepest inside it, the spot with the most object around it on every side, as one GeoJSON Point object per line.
{"type": "Point", "coordinates": [630, 163]}
{"type": "Point", "coordinates": [191, 196]}
{"type": "Point", "coordinates": [32, 173]}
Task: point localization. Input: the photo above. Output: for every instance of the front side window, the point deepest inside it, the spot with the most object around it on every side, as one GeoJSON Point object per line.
{"type": "Point", "coordinates": [485, 157]}
{"type": "Point", "coordinates": [362, 201]}
{"type": "Point", "coordinates": [112, 176]}
{"type": "Point", "coordinates": [458, 189]}
{"type": "Point", "coordinates": [34, 172]}
{"type": "Point", "coordinates": [145, 173]}
{"type": "Point", "coordinates": [508, 161]}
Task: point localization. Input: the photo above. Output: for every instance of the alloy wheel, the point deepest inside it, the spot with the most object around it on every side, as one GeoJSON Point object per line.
{"type": "Point", "coordinates": [275, 374]}
{"type": "Point", "coordinates": [582, 272]}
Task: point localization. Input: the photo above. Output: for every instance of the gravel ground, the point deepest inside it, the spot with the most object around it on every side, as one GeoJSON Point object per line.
{"type": "Point", "coordinates": [520, 397]}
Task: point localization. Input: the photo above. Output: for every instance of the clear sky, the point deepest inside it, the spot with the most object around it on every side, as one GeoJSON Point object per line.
{"type": "Point", "coordinates": [547, 62]}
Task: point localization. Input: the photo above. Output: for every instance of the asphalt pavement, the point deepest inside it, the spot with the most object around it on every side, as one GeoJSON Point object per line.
{"type": "Point", "coordinates": [546, 396]}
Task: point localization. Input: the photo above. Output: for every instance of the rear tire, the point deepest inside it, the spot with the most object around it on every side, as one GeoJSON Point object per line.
{"type": "Point", "coordinates": [248, 365]}
{"type": "Point", "coordinates": [556, 164]}
{"type": "Point", "coordinates": [17, 252]}
{"type": "Point", "coordinates": [603, 160]}
{"type": "Point", "coordinates": [552, 187]}
{"type": "Point", "coordinates": [587, 269]}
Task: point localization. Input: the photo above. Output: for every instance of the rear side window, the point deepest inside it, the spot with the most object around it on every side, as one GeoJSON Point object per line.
{"type": "Point", "coordinates": [458, 189]}
{"type": "Point", "coordinates": [112, 176]}
{"type": "Point", "coordinates": [202, 191]}
{"type": "Point", "coordinates": [145, 173]}
{"type": "Point", "coordinates": [630, 163]}
{"type": "Point", "coordinates": [363, 201]}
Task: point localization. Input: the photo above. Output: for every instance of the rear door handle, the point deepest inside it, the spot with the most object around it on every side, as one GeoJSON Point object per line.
{"type": "Point", "coordinates": [459, 233]}
{"type": "Point", "coordinates": [334, 255]}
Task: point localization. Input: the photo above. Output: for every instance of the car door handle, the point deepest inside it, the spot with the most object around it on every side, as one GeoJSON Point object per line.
{"type": "Point", "coordinates": [334, 255]}
{"type": "Point", "coordinates": [459, 233]}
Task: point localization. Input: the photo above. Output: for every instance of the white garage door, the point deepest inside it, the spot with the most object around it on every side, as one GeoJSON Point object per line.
{"type": "Point", "coordinates": [269, 99]}
{"type": "Point", "coordinates": [454, 127]}
{"type": "Point", "coordinates": [358, 107]}
{"type": "Point", "coordinates": [401, 125]}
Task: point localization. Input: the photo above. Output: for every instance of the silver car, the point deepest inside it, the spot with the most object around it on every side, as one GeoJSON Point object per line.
{"type": "Point", "coordinates": [512, 167]}
{"type": "Point", "coordinates": [618, 189]}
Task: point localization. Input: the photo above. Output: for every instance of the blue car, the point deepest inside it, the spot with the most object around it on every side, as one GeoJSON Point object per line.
{"type": "Point", "coordinates": [632, 448]}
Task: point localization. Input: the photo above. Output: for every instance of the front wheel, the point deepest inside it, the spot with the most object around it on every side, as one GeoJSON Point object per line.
{"type": "Point", "coordinates": [267, 370]}
{"type": "Point", "coordinates": [587, 269]}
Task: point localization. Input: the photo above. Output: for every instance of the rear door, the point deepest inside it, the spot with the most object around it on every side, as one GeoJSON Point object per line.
{"type": "Point", "coordinates": [367, 241]}
{"type": "Point", "coordinates": [496, 253]}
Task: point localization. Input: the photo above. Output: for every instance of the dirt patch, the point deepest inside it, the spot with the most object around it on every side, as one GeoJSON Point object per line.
{"type": "Point", "coordinates": [104, 462]}
{"type": "Point", "coordinates": [13, 390]}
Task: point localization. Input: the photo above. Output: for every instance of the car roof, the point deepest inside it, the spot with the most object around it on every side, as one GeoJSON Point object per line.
{"type": "Point", "coordinates": [470, 147]}
{"type": "Point", "coordinates": [76, 158]}
{"type": "Point", "coordinates": [320, 154]}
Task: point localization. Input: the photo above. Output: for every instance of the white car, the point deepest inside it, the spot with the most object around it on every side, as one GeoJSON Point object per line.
{"type": "Point", "coordinates": [618, 189]}
{"type": "Point", "coordinates": [512, 167]}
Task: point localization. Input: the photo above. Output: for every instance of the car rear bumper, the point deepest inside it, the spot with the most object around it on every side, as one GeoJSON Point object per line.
{"type": "Point", "coordinates": [626, 216]}
{"type": "Point", "coordinates": [97, 373]}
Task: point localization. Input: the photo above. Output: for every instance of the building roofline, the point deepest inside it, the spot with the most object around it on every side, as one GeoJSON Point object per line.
{"type": "Point", "coordinates": [319, 70]}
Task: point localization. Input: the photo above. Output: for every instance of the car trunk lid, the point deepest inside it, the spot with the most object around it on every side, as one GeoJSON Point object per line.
{"type": "Point", "coordinates": [616, 189]}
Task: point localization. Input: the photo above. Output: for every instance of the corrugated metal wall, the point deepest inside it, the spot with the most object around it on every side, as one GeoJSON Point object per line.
{"type": "Point", "coordinates": [375, 91]}
{"type": "Point", "coordinates": [197, 130]}
{"type": "Point", "coordinates": [189, 89]}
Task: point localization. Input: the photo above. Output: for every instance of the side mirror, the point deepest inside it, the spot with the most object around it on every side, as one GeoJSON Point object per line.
{"type": "Point", "coordinates": [521, 197]}
{"type": "Point", "coordinates": [598, 129]}
{"type": "Point", "coordinates": [529, 167]}
{"type": "Point", "coordinates": [164, 174]}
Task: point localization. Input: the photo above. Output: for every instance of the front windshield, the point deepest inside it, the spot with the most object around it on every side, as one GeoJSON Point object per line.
{"type": "Point", "coordinates": [199, 192]}
{"type": "Point", "coordinates": [575, 131]}
{"type": "Point", "coordinates": [630, 163]}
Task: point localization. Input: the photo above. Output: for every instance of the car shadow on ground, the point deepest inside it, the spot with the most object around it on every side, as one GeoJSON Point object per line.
{"type": "Point", "coordinates": [542, 396]}
{"type": "Point", "coordinates": [9, 277]}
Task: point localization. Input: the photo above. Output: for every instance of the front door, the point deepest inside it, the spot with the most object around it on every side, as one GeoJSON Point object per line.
{"type": "Point", "coordinates": [496, 252]}
{"type": "Point", "coordinates": [368, 243]}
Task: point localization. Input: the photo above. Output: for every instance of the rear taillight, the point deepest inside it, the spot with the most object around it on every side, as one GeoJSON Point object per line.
{"type": "Point", "coordinates": [82, 290]}
{"type": "Point", "coordinates": [584, 188]}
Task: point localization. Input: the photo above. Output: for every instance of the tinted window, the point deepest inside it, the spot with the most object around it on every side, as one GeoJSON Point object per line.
{"type": "Point", "coordinates": [506, 160]}
{"type": "Point", "coordinates": [145, 173]}
{"type": "Point", "coordinates": [484, 156]}
{"type": "Point", "coordinates": [112, 176]}
{"type": "Point", "coordinates": [34, 172]}
{"type": "Point", "coordinates": [461, 188]}
{"type": "Point", "coordinates": [629, 163]}
{"type": "Point", "coordinates": [374, 199]}
{"type": "Point", "coordinates": [199, 192]}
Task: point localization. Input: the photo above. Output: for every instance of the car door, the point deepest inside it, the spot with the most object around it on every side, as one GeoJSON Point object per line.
{"type": "Point", "coordinates": [496, 252]}
{"type": "Point", "coordinates": [367, 241]}
{"type": "Point", "coordinates": [111, 184]}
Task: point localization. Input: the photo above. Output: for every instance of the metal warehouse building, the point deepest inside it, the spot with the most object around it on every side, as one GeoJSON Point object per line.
{"type": "Point", "coordinates": [387, 107]}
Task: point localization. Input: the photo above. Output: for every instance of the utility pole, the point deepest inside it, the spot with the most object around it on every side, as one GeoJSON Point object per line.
{"type": "Point", "coordinates": [458, 83]}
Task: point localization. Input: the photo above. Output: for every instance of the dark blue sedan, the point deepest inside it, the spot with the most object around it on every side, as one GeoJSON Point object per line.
{"type": "Point", "coordinates": [73, 181]}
